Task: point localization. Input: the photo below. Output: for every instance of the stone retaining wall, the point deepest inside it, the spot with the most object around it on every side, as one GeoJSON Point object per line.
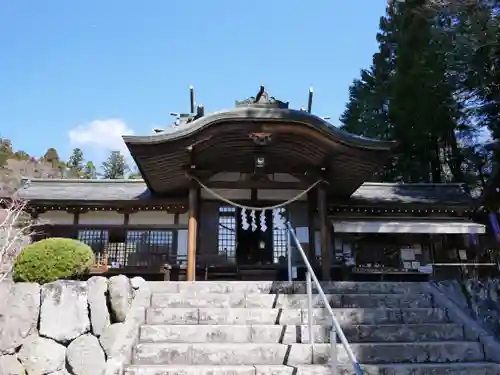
{"type": "Point", "coordinates": [67, 327]}
{"type": "Point", "coordinates": [479, 299]}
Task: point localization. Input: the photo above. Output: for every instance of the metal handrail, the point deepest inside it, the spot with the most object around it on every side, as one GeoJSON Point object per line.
{"type": "Point", "coordinates": [337, 330]}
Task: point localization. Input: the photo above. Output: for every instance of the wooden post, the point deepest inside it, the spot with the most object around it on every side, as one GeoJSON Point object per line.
{"type": "Point", "coordinates": [192, 233]}
{"type": "Point", "coordinates": [324, 238]}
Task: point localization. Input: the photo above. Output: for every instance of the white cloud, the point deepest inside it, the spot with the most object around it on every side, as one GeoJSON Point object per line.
{"type": "Point", "coordinates": [101, 135]}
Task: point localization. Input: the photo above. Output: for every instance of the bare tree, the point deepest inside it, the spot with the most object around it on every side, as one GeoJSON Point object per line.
{"type": "Point", "coordinates": [15, 229]}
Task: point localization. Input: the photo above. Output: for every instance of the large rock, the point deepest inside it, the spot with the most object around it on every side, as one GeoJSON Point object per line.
{"type": "Point", "coordinates": [138, 282]}
{"type": "Point", "coordinates": [85, 356]}
{"type": "Point", "coordinates": [9, 365]}
{"type": "Point", "coordinates": [19, 310]}
{"type": "Point", "coordinates": [109, 337]}
{"type": "Point", "coordinates": [121, 294]}
{"type": "Point", "coordinates": [64, 312]}
{"type": "Point", "coordinates": [98, 305]}
{"type": "Point", "coordinates": [41, 356]}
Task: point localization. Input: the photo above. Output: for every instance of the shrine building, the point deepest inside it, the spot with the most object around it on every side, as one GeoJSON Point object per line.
{"type": "Point", "coordinates": [194, 210]}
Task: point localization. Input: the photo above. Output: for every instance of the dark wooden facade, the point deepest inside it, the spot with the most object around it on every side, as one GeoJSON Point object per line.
{"type": "Point", "coordinates": [258, 143]}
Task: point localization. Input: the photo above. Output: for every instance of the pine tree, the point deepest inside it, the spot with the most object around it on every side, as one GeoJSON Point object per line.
{"type": "Point", "coordinates": [75, 162]}
{"type": "Point", "coordinates": [115, 167]}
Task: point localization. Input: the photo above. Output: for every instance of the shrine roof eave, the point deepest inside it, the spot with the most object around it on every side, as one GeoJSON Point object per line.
{"type": "Point", "coordinates": [260, 113]}
{"type": "Point", "coordinates": [440, 197]}
{"type": "Point", "coordinates": [126, 193]}
{"type": "Point", "coordinates": [94, 193]}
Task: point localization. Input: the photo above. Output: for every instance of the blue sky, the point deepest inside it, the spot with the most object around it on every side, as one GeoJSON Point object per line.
{"type": "Point", "coordinates": [81, 73]}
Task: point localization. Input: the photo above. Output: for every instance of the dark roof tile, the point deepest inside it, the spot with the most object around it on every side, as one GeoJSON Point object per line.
{"type": "Point", "coordinates": [136, 190]}
{"type": "Point", "coordinates": [84, 190]}
{"type": "Point", "coordinates": [425, 194]}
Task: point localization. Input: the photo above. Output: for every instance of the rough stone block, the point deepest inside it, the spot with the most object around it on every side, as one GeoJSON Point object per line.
{"type": "Point", "coordinates": [19, 312]}
{"type": "Point", "coordinates": [64, 311]}
{"type": "Point", "coordinates": [121, 295]}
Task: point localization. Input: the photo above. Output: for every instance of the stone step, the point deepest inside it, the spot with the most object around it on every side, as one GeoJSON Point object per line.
{"type": "Point", "coordinates": [298, 301]}
{"type": "Point", "coordinates": [302, 354]}
{"type": "Point", "coordinates": [283, 287]}
{"type": "Point", "coordinates": [292, 316]}
{"type": "Point", "coordinates": [474, 368]}
{"type": "Point", "coordinates": [290, 334]}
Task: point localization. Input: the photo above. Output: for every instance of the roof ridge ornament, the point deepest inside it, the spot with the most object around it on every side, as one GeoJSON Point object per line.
{"type": "Point", "coordinates": [262, 99]}
{"type": "Point", "coordinates": [195, 112]}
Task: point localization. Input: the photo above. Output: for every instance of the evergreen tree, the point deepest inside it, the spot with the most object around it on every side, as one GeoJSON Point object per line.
{"type": "Point", "coordinates": [89, 171]}
{"type": "Point", "coordinates": [52, 156]}
{"type": "Point", "coordinates": [6, 151]}
{"type": "Point", "coordinates": [75, 162]}
{"type": "Point", "coordinates": [405, 96]}
{"type": "Point", "coordinates": [115, 167]}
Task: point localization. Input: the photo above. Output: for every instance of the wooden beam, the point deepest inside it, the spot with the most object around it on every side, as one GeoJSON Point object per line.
{"type": "Point", "coordinates": [192, 233]}
{"type": "Point", "coordinates": [256, 185]}
{"type": "Point", "coordinates": [309, 172]}
{"type": "Point", "coordinates": [323, 228]}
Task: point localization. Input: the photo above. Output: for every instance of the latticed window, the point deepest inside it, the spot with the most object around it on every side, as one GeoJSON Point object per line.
{"type": "Point", "coordinates": [280, 238]}
{"type": "Point", "coordinates": [133, 248]}
{"type": "Point", "coordinates": [97, 240]}
{"type": "Point", "coordinates": [227, 232]}
{"type": "Point", "coordinates": [150, 247]}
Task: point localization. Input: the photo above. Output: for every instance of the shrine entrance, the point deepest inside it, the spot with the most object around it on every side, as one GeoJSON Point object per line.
{"type": "Point", "coordinates": [254, 246]}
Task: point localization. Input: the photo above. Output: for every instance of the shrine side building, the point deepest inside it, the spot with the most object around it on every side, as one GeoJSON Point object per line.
{"type": "Point", "coordinates": [199, 173]}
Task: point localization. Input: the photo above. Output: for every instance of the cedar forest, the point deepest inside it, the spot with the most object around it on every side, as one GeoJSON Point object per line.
{"type": "Point", "coordinates": [433, 86]}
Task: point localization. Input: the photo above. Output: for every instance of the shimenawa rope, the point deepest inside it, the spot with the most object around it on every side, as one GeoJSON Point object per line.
{"type": "Point", "coordinates": [250, 208]}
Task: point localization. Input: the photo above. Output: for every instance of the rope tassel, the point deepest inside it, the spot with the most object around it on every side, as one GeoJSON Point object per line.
{"type": "Point", "coordinates": [244, 221]}
{"type": "Point", "coordinates": [278, 219]}
{"type": "Point", "coordinates": [254, 220]}
{"type": "Point", "coordinates": [263, 226]}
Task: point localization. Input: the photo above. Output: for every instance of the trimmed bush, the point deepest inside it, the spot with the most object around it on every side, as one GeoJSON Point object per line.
{"type": "Point", "coordinates": [52, 259]}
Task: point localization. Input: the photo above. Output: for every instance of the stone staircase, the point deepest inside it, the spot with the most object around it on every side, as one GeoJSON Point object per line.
{"type": "Point", "coordinates": [260, 328]}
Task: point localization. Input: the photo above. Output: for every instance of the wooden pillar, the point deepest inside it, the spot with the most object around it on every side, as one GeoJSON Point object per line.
{"type": "Point", "coordinates": [324, 237]}
{"type": "Point", "coordinates": [192, 233]}
{"type": "Point", "coordinates": [311, 211]}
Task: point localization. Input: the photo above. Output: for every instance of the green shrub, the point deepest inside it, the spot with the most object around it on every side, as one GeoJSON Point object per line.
{"type": "Point", "coordinates": [52, 259]}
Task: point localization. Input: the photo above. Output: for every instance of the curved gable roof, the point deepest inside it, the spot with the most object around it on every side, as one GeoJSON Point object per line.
{"type": "Point", "coordinates": [297, 142]}
{"type": "Point", "coordinates": [260, 113]}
